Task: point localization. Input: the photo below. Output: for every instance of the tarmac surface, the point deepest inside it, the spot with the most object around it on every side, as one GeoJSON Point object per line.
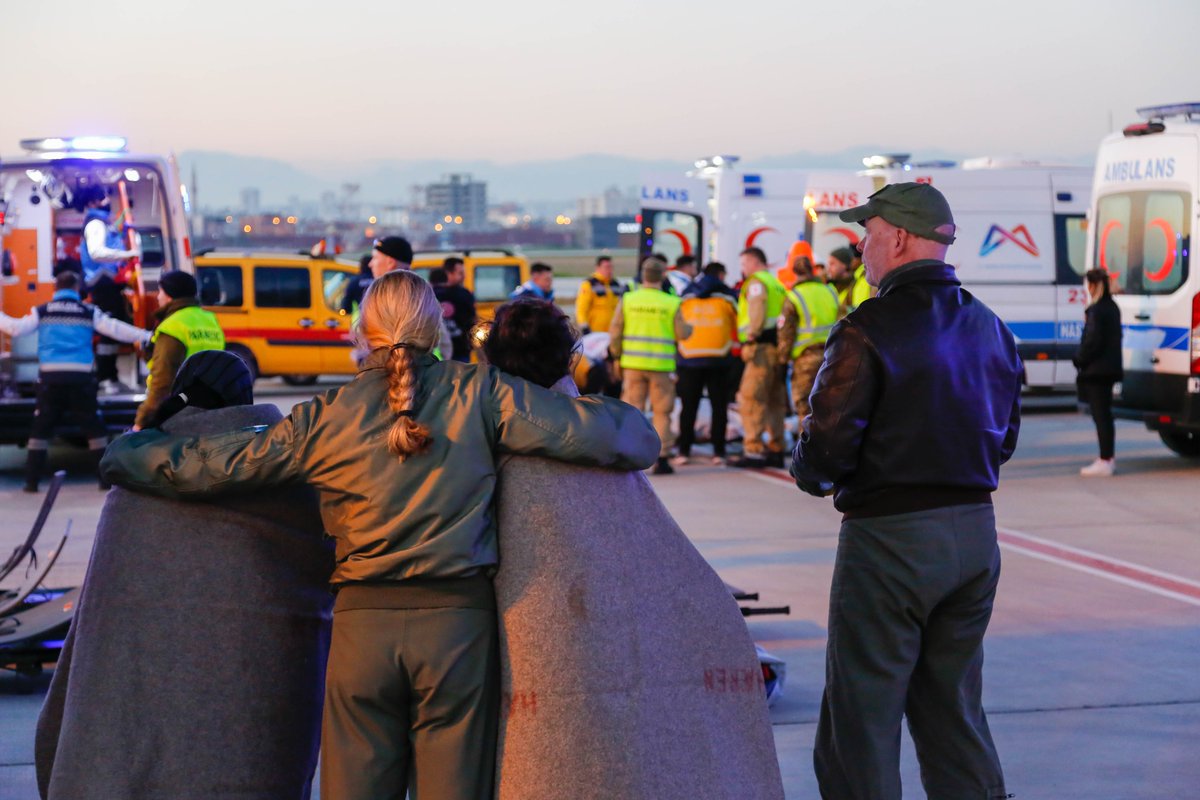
{"type": "Point", "coordinates": [1092, 681]}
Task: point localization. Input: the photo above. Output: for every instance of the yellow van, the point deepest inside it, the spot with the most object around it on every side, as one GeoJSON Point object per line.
{"type": "Point", "coordinates": [281, 313]}
{"type": "Point", "coordinates": [492, 275]}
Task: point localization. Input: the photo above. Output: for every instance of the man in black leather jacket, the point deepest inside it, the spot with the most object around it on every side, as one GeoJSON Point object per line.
{"type": "Point", "coordinates": [914, 410]}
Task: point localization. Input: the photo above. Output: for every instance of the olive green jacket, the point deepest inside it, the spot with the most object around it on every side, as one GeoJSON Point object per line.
{"type": "Point", "coordinates": [430, 516]}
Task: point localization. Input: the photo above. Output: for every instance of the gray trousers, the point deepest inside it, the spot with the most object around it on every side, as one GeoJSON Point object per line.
{"type": "Point", "coordinates": [411, 704]}
{"type": "Point", "coordinates": [910, 602]}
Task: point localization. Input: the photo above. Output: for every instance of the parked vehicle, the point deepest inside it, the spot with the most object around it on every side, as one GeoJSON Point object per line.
{"type": "Point", "coordinates": [1020, 242]}
{"type": "Point", "coordinates": [281, 313]}
{"type": "Point", "coordinates": [1141, 220]}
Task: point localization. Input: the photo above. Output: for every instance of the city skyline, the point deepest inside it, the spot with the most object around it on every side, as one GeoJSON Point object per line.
{"type": "Point", "coordinates": [522, 81]}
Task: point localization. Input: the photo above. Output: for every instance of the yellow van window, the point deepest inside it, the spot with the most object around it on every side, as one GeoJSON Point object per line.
{"type": "Point", "coordinates": [495, 282]}
{"type": "Point", "coordinates": [220, 286]}
{"type": "Point", "coordinates": [333, 286]}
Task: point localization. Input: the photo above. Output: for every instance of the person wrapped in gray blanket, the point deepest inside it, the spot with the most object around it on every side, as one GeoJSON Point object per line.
{"type": "Point", "coordinates": [195, 663]}
{"type": "Point", "coordinates": [626, 667]}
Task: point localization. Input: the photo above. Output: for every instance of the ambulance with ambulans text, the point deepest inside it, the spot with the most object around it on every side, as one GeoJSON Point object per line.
{"type": "Point", "coordinates": [41, 229]}
{"type": "Point", "coordinates": [1146, 205]}
{"type": "Point", "coordinates": [1020, 242]}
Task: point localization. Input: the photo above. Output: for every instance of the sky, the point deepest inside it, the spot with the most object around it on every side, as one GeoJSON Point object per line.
{"type": "Point", "coordinates": [526, 80]}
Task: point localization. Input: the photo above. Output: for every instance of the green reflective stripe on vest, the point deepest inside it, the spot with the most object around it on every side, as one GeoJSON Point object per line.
{"type": "Point", "coordinates": [648, 340]}
{"type": "Point", "coordinates": [817, 307]}
{"type": "Point", "coordinates": [196, 328]}
{"type": "Point", "coordinates": [775, 299]}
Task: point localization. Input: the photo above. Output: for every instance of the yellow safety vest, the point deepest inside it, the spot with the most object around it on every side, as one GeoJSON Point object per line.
{"type": "Point", "coordinates": [648, 338]}
{"type": "Point", "coordinates": [853, 295]}
{"type": "Point", "coordinates": [817, 307]}
{"type": "Point", "coordinates": [712, 322]}
{"type": "Point", "coordinates": [775, 293]}
{"type": "Point", "coordinates": [196, 328]}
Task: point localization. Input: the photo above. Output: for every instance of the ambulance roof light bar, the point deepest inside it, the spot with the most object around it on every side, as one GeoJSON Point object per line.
{"type": "Point", "coordinates": [75, 144]}
{"type": "Point", "coordinates": [717, 161]}
{"type": "Point", "coordinates": [886, 160]}
{"type": "Point", "coordinates": [1188, 110]}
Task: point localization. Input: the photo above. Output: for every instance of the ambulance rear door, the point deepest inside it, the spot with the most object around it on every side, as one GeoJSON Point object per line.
{"type": "Point", "coordinates": [1143, 216]}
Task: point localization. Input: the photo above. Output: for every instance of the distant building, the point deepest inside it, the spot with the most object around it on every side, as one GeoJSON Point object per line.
{"type": "Point", "coordinates": [251, 200]}
{"type": "Point", "coordinates": [459, 197]}
{"type": "Point", "coordinates": [612, 203]}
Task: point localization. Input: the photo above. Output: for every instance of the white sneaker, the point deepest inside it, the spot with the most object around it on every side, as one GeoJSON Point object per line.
{"type": "Point", "coordinates": [1100, 468]}
{"type": "Point", "coordinates": [680, 461]}
{"type": "Point", "coordinates": [719, 461]}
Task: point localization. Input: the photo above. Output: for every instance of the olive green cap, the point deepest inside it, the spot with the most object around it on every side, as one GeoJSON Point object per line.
{"type": "Point", "coordinates": [916, 207]}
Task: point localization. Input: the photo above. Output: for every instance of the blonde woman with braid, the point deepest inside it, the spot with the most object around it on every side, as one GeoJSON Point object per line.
{"type": "Point", "coordinates": [404, 460]}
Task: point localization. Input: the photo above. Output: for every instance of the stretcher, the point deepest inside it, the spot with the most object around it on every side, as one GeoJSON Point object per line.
{"type": "Point", "coordinates": [34, 619]}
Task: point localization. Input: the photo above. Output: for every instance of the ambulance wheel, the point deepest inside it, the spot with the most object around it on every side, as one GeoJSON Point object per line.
{"type": "Point", "coordinates": [299, 380]}
{"type": "Point", "coordinates": [1185, 443]}
{"type": "Point", "coordinates": [246, 356]}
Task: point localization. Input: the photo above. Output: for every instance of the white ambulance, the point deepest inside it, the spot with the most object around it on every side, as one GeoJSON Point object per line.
{"type": "Point", "coordinates": [41, 229]}
{"type": "Point", "coordinates": [1146, 204]}
{"type": "Point", "coordinates": [716, 211]}
{"type": "Point", "coordinates": [1020, 244]}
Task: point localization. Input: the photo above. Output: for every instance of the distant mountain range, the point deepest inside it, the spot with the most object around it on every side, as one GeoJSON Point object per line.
{"type": "Point", "coordinates": [221, 177]}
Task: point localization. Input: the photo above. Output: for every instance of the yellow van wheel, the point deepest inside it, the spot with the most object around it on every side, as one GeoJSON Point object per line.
{"type": "Point", "coordinates": [299, 380]}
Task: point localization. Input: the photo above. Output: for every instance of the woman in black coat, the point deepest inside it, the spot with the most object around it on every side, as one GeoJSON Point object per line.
{"type": "Point", "coordinates": [1099, 367]}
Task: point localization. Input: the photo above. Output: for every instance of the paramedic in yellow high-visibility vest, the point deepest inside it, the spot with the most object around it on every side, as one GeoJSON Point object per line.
{"type": "Point", "coordinates": [598, 297]}
{"type": "Point", "coordinates": [859, 290]}
{"type": "Point", "coordinates": [184, 328]}
{"type": "Point", "coordinates": [809, 314]}
{"type": "Point", "coordinates": [644, 330]}
{"type": "Point", "coordinates": [762, 397]}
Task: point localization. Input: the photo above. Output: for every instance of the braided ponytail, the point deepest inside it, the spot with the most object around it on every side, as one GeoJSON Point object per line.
{"type": "Point", "coordinates": [400, 312]}
{"type": "Point", "coordinates": [407, 437]}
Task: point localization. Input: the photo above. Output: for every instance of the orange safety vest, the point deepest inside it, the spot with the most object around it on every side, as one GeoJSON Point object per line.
{"type": "Point", "coordinates": [713, 321]}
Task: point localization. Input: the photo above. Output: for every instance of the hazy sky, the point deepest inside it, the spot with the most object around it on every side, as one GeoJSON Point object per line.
{"type": "Point", "coordinates": [523, 80]}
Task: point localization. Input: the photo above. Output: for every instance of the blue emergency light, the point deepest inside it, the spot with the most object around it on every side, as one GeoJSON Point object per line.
{"type": "Point", "coordinates": [1173, 110]}
{"type": "Point", "coordinates": [92, 144]}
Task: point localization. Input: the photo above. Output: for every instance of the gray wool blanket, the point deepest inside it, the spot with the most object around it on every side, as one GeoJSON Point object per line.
{"type": "Point", "coordinates": [195, 664]}
{"type": "Point", "coordinates": [627, 669]}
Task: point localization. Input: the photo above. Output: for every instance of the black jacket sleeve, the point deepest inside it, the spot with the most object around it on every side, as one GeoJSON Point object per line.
{"type": "Point", "coordinates": [843, 396]}
{"type": "Point", "coordinates": [1091, 344]}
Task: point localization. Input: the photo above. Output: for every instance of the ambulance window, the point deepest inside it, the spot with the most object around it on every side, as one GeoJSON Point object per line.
{"type": "Point", "coordinates": [670, 234]}
{"type": "Point", "coordinates": [1112, 232]}
{"type": "Point", "coordinates": [1164, 241]}
{"type": "Point", "coordinates": [495, 282]}
{"type": "Point", "coordinates": [282, 287]}
{"type": "Point", "coordinates": [334, 283]}
{"type": "Point", "coordinates": [1070, 242]}
{"type": "Point", "coordinates": [220, 286]}
{"type": "Point", "coordinates": [1142, 239]}
{"type": "Point", "coordinates": [153, 253]}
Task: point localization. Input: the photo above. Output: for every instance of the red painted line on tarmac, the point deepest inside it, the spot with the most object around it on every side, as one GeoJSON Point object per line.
{"type": "Point", "coordinates": [1095, 561]}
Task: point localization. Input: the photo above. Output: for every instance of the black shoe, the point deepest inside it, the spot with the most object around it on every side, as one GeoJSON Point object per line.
{"type": "Point", "coordinates": [775, 460]}
{"type": "Point", "coordinates": [662, 467]}
{"type": "Point", "coordinates": [31, 488]}
{"type": "Point", "coordinates": [748, 462]}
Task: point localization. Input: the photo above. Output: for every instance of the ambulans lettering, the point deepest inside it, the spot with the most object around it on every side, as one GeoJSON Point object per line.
{"type": "Point", "coordinates": [665, 193]}
{"type": "Point", "coordinates": [826, 200]}
{"type": "Point", "coordinates": [1146, 169]}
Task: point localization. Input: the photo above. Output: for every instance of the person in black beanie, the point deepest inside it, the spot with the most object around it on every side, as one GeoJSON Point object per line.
{"type": "Point", "coordinates": [184, 329]}
{"type": "Point", "coordinates": [209, 380]}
